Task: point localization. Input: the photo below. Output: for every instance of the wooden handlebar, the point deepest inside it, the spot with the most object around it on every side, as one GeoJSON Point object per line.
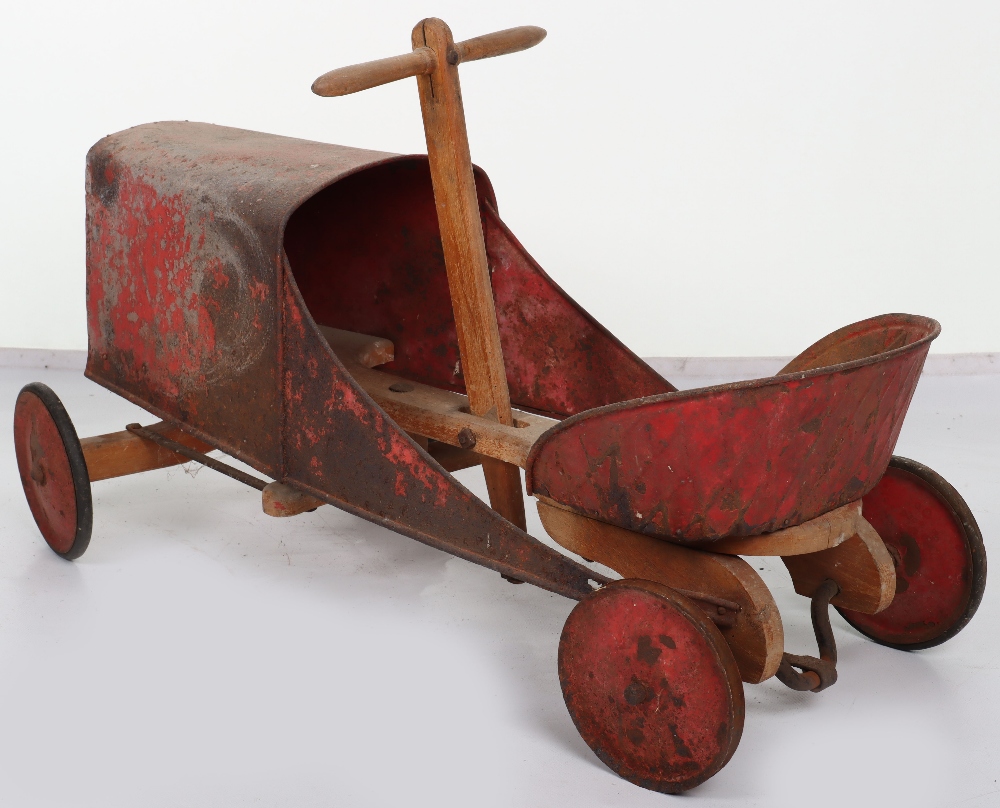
{"type": "Point", "coordinates": [421, 61]}
{"type": "Point", "coordinates": [499, 43]}
{"type": "Point", "coordinates": [355, 78]}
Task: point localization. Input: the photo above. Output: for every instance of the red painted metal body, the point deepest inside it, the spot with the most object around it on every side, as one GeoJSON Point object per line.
{"type": "Point", "coordinates": [195, 313]}
{"type": "Point", "coordinates": [747, 458]}
{"type": "Point", "coordinates": [380, 270]}
{"type": "Point", "coordinates": [213, 254]}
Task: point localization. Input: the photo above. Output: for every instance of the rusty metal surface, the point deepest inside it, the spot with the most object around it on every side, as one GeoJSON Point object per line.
{"type": "Point", "coordinates": [651, 685]}
{"type": "Point", "coordinates": [939, 556]}
{"type": "Point", "coordinates": [366, 255]}
{"type": "Point", "coordinates": [184, 229]}
{"type": "Point", "coordinates": [817, 674]}
{"type": "Point", "coordinates": [559, 359]}
{"type": "Point", "coordinates": [342, 448]}
{"type": "Point", "coordinates": [193, 315]}
{"type": "Point", "coordinates": [739, 459]}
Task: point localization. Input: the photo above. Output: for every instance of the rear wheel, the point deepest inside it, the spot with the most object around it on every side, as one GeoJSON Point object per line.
{"type": "Point", "coordinates": [651, 685]}
{"type": "Point", "coordinates": [938, 553]}
{"type": "Point", "coordinates": [53, 470]}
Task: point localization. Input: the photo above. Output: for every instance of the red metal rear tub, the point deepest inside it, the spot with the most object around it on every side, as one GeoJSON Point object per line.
{"type": "Point", "coordinates": [747, 458]}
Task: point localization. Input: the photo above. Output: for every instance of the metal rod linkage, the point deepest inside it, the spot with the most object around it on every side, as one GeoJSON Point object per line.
{"type": "Point", "coordinates": [198, 457]}
{"type": "Point", "coordinates": [817, 674]}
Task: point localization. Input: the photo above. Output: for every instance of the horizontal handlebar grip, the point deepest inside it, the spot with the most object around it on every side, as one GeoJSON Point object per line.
{"type": "Point", "coordinates": [354, 79]}
{"type": "Point", "coordinates": [498, 43]}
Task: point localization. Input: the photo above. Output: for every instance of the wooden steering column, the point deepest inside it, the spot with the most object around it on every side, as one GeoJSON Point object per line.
{"type": "Point", "coordinates": [434, 61]}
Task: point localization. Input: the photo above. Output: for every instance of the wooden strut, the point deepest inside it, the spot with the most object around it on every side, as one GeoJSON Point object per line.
{"type": "Point", "coordinates": [861, 566]}
{"type": "Point", "coordinates": [427, 411]}
{"type": "Point", "coordinates": [756, 636]}
{"type": "Point", "coordinates": [822, 533]}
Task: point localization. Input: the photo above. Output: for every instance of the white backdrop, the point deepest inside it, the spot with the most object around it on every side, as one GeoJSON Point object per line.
{"type": "Point", "coordinates": [706, 178]}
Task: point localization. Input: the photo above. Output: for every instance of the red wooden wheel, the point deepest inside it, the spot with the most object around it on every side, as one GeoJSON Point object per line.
{"type": "Point", "coordinates": [938, 553]}
{"type": "Point", "coordinates": [651, 685]}
{"type": "Point", "coordinates": [53, 470]}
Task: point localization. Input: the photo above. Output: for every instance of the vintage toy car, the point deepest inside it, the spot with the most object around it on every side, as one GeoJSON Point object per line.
{"type": "Point", "coordinates": [356, 325]}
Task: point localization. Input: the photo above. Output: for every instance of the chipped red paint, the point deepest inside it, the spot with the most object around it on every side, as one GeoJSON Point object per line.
{"type": "Point", "coordinates": [194, 315]}
{"type": "Point", "coordinates": [341, 447]}
{"type": "Point", "coordinates": [184, 230]}
{"type": "Point", "coordinates": [938, 553]}
{"type": "Point", "coordinates": [560, 361]}
{"type": "Point", "coordinates": [366, 254]}
{"type": "Point", "coordinates": [651, 685]}
{"type": "Point", "coordinates": [159, 319]}
{"type": "Point", "coordinates": [741, 459]}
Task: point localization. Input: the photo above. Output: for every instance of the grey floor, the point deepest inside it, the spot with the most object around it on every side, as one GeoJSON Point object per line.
{"type": "Point", "coordinates": [204, 654]}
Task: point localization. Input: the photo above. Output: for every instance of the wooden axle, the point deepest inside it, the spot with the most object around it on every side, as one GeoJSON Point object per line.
{"type": "Point", "coordinates": [121, 453]}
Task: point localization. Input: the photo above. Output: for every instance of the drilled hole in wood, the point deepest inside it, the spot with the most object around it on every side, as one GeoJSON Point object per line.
{"type": "Point", "coordinates": [401, 387]}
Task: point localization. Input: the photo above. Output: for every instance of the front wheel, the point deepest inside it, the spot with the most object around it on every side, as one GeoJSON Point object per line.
{"type": "Point", "coordinates": [651, 685]}
{"type": "Point", "coordinates": [53, 470]}
{"type": "Point", "coordinates": [938, 553]}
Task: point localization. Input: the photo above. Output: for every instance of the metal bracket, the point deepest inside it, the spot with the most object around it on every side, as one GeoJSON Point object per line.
{"type": "Point", "coordinates": [817, 674]}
